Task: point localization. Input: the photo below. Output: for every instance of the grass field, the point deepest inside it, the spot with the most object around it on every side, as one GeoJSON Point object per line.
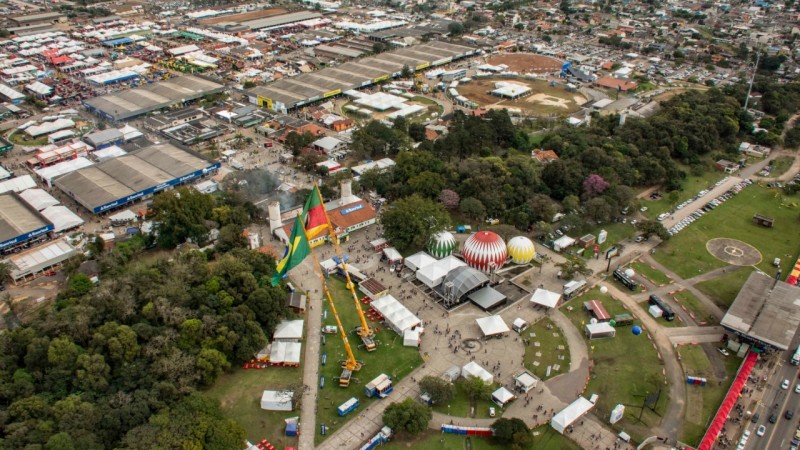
{"type": "Point", "coordinates": [239, 394]}
{"type": "Point", "coordinates": [703, 401]}
{"type": "Point", "coordinates": [390, 358]}
{"type": "Point", "coordinates": [616, 232]}
{"type": "Point", "coordinates": [695, 307]}
{"type": "Point", "coordinates": [686, 252]}
{"type": "Point", "coordinates": [545, 438]}
{"type": "Point", "coordinates": [544, 99]}
{"type": "Point", "coordinates": [20, 138]}
{"type": "Point", "coordinates": [780, 165]}
{"type": "Point", "coordinates": [651, 274]}
{"type": "Point", "coordinates": [459, 406]}
{"type": "Point", "coordinates": [624, 367]}
{"type": "Point", "coordinates": [723, 290]}
{"type": "Point", "coordinates": [691, 186]}
{"type": "Point", "coordinates": [544, 332]}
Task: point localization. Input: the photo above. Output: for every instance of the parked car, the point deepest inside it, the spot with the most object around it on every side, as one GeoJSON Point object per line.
{"type": "Point", "coordinates": [492, 411]}
{"type": "Point", "coordinates": [785, 384]}
{"type": "Point", "coordinates": [761, 430]}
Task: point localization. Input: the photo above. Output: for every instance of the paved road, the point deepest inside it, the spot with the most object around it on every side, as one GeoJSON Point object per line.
{"type": "Point", "coordinates": [312, 356]}
{"type": "Point", "coordinates": [780, 434]}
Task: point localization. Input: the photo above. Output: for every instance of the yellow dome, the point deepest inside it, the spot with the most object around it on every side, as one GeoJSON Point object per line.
{"type": "Point", "coordinates": [521, 250]}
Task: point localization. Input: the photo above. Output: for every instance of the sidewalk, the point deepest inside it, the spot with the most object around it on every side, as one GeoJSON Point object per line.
{"type": "Point", "coordinates": [308, 419]}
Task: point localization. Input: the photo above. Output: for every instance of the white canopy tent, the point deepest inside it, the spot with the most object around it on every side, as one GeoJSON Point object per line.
{"type": "Point", "coordinates": [277, 400]}
{"type": "Point", "coordinates": [123, 216]}
{"type": "Point", "coordinates": [288, 353]}
{"type": "Point", "coordinates": [473, 369]}
{"type": "Point", "coordinates": [392, 255]}
{"type": "Point", "coordinates": [563, 242]}
{"type": "Point", "coordinates": [502, 396]}
{"type": "Point", "coordinates": [397, 316]}
{"type": "Point", "coordinates": [519, 324]}
{"type": "Point", "coordinates": [411, 338]}
{"type": "Point", "coordinates": [62, 218]}
{"type": "Point", "coordinates": [545, 298]}
{"type": "Point", "coordinates": [570, 414]}
{"type": "Point", "coordinates": [288, 330]}
{"type": "Point", "coordinates": [525, 381]}
{"type": "Point", "coordinates": [418, 261]}
{"type": "Point", "coordinates": [39, 199]}
{"type": "Point", "coordinates": [599, 330]}
{"type": "Point", "coordinates": [492, 325]}
{"type": "Point", "coordinates": [433, 274]}
{"type": "Point", "coordinates": [17, 184]}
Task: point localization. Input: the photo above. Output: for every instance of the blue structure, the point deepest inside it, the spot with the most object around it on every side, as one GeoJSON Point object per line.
{"type": "Point", "coordinates": [381, 438]}
{"type": "Point", "coordinates": [26, 236]}
{"type": "Point", "coordinates": [291, 429]}
{"type": "Point", "coordinates": [347, 407]}
{"type": "Point", "coordinates": [380, 387]}
{"type": "Point", "coordinates": [565, 69]}
{"type": "Point", "coordinates": [117, 42]}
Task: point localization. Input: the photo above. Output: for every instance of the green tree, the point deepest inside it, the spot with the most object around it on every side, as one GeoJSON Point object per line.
{"type": "Point", "coordinates": [5, 270]}
{"type": "Point", "coordinates": [410, 222]}
{"type": "Point", "coordinates": [416, 131]}
{"type": "Point", "coordinates": [438, 389]}
{"type": "Point", "coordinates": [573, 266]}
{"type": "Point", "coordinates": [407, 417]}
{"type": "Point", "coordinates": [230, 237]}
{"type": "Point", "coordinates": [427, 184]}
{"type": "Point", "coordinates": [181, 215]}
{"type": "Point", "coordinates": [513, 432]}
{"type": "Point", "coordinates": [475, 388]}
{"type": "Point", "coordinates": [455, 29]}
{"type": "Point", "coordinates": [211, 364]}
{"type": "Point", "coordinates": [80, 284]}
{"type": "Point", "coordinates": [406, 72]}
{"type": "Point", "coordinates": [653, 227]}
{"type": "Point", "coordinates": [296, 142]}
{"type": "Point", "coordinates": [249, 84]}
{"type": "Point", "coordinates": [60, 441]}
{"type": "Point", "coordinates": [472, 208]}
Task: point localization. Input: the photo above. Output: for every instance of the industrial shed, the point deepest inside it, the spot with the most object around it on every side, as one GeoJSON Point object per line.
{"type": "Point", "coordinates": [19, 222]}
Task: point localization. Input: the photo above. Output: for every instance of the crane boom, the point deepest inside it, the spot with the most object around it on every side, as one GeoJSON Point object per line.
{"type": "Point", "coordinates": [364, 332]}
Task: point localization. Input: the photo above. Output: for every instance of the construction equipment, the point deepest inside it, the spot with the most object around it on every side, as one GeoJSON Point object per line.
{"type": "Point", "coordinates": [364, 332]}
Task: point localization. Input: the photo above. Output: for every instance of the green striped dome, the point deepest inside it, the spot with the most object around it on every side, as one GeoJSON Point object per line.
{"type": "Point", "coordinates": [442, 244]}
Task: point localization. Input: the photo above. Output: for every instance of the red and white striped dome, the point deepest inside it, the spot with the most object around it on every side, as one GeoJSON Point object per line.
{"type": "Point", "coordinates": [483, 248]}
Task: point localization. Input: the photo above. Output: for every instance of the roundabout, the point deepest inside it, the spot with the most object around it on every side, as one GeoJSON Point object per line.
{"type": "Point", "coordinates": [734, 252]}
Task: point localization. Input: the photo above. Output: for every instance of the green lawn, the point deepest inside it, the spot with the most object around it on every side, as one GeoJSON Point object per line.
{"type": "Point", "coordinates": [686, 252]}
{"type": "Point", "coordinates": [723, 289]}
{"type": "Point", "coordinates": [390, 358]}
{"type": "Point", "coordinates": [624, 367]}
{"type": "Point", "coordinates": [695, 307]}
{"type": "Point", "coordinates": [703, 401]}
{"type": "Point", "coordinates": [691, 186]}
{"type": "Point", "coordinates": [459, 406]}
{"type": "Point", "coordinates": [20, 138]}
{"type": "Point", "coordinates": [616, 233]}
{"type": "Point", "coordinates": [780, 165]}
{"type": "Point", "coordinates": [545, 438]}
{"type": "Point", "coordinates": [543, 332]}
{"type": "Point", "coordinates": [651, 274]}
{"type": "Point", "coordinates": [239, 394]}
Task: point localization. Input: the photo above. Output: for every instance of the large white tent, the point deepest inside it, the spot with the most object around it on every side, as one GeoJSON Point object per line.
{"type": "Point", "coordinates": [419, 260]}
{"type": "Point", "coordinates": [38, 198]}
{"type": "Point", "coordinates": [599, 330]}
{"type": "Point", "coordinates": [492, 325]}
{"type": "Point", "coordinates": [570, 414]}
{"type": "Point", "coordinates": [563, 242]}
{"type": "Point", "coordinates": [545, 298]}
{"type": "Point", "coordinates": [47, 174]}
{"type": "Point", "coordinates": [397, 316]}
{"type": "Point", "coordinates": [473, 369]}
{"type": "Point", "coordinates": [525, 381]}
{"type": "Point", "coordinates": [289, 330]}
{"type": "Point", "coordinates": [433, 274]}
{"type": "Point", "coordinates": [62, 218]}
{"type": "Point", "coordinates": [288, 353]}
{"type": "Point", "coordinates": [277, 400]}
{"type": "Point", "coordinates": [502, 396]}
{"type": "Point", "coordinates": [411, 337]}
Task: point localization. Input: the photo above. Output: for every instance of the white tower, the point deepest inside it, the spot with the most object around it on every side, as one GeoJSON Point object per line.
{"type": "Point", "coordinates": [274, 216]}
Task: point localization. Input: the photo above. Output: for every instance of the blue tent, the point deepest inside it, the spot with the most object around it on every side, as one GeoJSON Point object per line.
{"type": "Point", "coordinates": [291, 429]}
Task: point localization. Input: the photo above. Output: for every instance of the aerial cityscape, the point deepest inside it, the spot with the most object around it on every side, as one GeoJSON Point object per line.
{"type": "Point", "coordinates": [433, 225]}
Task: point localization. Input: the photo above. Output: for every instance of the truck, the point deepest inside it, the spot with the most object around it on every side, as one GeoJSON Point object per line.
{"type": "Point", "coordinates": [347, 407]}
{"type": "Point", "coordinates": [796, 357]}
{"type": "Point", "coordinates": [381, 438]}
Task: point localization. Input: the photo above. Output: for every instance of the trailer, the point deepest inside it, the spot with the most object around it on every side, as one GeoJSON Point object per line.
{"type": "Point", "coordinates": [347, 407]}
{"type": "Point", "coordinates": [379, 439]}
{"type": "Point", "coordinates": [662, 305]}
{"type": "Point", "coordinates": [380, 387]}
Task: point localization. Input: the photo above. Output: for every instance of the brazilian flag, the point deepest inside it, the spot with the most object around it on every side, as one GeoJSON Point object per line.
{"type": "Point", "coordinates": [296, 252]}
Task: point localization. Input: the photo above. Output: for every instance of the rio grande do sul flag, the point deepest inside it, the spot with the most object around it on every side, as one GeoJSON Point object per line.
{"type": "Point", "coordinates": [296, 252]}
{"type": "Point", "coordinates": [314, 214]}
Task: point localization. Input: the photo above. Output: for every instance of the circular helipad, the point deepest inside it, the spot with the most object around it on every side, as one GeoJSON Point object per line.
{"type": "Point", "coordinates": [734, 251]}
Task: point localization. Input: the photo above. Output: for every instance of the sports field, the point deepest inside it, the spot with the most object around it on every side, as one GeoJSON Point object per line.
{"type": "Point", "coordinates": [543, 99]}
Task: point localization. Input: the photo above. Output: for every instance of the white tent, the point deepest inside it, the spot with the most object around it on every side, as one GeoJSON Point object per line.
{"type": "Point", "coordinates": [433, 274]}
{"type": "Point", "coordinates": [562, 243]}
{"type": "Point", "coordinates": [123, 216]}
{"type": "Point", "coordinates": [17, 184]}
{"type": "Point", "coordinates": [417, 261]}
{"type": "Point", "coordinates": [519, 324]}
{"type": "Point", "coordinates": [525, 381]}
{"type": "Point", "coordinates": [277, 400]}
{"type": "Point", "coordinates": [570, 414]}
{"type": "Point", "coordinates": [599, 330]}
{"type": "Point", "coordinates": [502, 396]}
{"type": "Point", "coordinates": [473, 369]}
{"type": "Point", "coordinates": [62, 218]}
{"type": "Point", "coordinates": [545, 298]}
{"type": "Point", "coordinates": [392, 255]}
{"type": "Point", "coordinates": [492, 325]}
{"type": "Point", "coordinates": [397, 316]}
{"type": "Point", "coordinates": [411, 337]}
{"type": "Point", "coordinates": [56, 170]}
{"type": "Point", "coordinates": [39, 199]}
{"type": "Point", "coordinates": [282, 352]}
{"type": "Point", "coordinates": [655, 311]}
{"type": "Point", "coordinates": [288, 330]}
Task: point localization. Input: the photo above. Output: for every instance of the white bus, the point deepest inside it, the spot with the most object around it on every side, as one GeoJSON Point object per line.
{"type": "Point", "coordinates": [796, 357]}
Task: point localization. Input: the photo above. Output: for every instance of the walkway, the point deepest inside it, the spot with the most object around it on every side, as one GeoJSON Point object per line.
{"type": "Point", "coordinates": [689, 286]}
{"type": "Point", "coordinates": [308, 418]}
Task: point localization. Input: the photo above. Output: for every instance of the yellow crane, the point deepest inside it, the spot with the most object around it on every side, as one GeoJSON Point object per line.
{"type": "Point", "coordinates": [364, 332]}
{"type": "Point", "coordinates": [350, 364]}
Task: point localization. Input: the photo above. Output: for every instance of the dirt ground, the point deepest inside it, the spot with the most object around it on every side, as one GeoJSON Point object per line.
{"type": "Point", "coordinates": [244, 16]}
{"type": "Point", "coordinates": [527, 62]}
{"type": "Point", "coordinates": [544, 99]}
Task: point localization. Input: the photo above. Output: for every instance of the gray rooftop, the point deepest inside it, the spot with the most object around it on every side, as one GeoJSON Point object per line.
{"type": "Point", "coordinates": [17, 218]}
{"type": "Point", "coordinates": [143, 100]}
{"type": "Point", "coordinates": [282, 19]}
{"type": "Point", "coordinates": [766, 314]}
{"type": "Point", "coordinates": [302, 89]}
{"type": "Point", "coordinates": [103, 136]}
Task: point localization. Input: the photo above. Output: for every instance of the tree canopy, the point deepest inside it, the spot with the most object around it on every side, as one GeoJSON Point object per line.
{"type": "Point", "coordinates": [410, 222]}
{"type": "Point", "coordinates": [407, 417]}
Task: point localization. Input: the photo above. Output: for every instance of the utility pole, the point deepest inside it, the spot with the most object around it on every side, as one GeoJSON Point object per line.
{"type": "Point", "coordinates": [750, 88]}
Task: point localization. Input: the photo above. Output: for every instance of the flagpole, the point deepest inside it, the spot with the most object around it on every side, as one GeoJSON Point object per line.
{"type": "Point", "coordinates": [351, 364]}
{"type": "Point", "coordinates": [365, 332]}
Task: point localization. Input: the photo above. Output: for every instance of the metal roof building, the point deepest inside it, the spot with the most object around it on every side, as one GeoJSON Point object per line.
{"type": "Point", "coordinates": [124, 179]}
{"type": "Point", "coordinates": [136, 102]}
{"type": "Point", "coordinates": [292, 92]}
{"type": "Point", "coordinates": [283, 19]}
{"type": "Point", "coordinates": [36, 261]}
{"type": "Point", "coordinates": [766, 311]}
{"type": "Point", "coordinates": [19, 222]}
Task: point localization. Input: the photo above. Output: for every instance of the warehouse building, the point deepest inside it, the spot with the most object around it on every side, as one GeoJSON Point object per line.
{"type": "Point", "coordinates": [20, 223]}
{"type": "Point", "coordinates": [293, 92]}
{"type": "Point", "coordinates": [140, 174]}
{"type": "Point", "coordinates": [137, 102]}
{"type": "Point", "coordinates": [40, 260]}
{"type": "Point", "coordinates": [282, 20]}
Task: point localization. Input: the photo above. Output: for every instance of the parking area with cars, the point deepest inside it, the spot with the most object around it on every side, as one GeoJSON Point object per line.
{"type": "Point", "coordinates": [700, 212]}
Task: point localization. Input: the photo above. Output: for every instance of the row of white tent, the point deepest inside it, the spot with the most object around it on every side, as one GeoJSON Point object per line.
{"type": "Point", "coordinates": [431, 271]}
